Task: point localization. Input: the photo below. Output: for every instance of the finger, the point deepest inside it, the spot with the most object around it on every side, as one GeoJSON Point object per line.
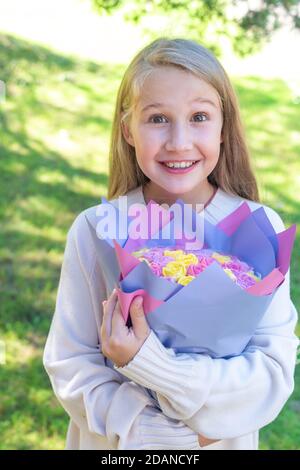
{"type": "Point", "coordinates": [118, 322]}
{"type": "Point", "coordinates": [108, 309]}
{"type": "Point", "coordinates": [138, 318]}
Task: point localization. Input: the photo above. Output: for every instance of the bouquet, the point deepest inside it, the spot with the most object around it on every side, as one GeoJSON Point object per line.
{"type": "Point", "coordinates": [205, 296]}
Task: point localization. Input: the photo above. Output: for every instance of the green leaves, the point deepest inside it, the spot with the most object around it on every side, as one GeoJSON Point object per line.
{"type": "Point", "coordinates": [208, 21]}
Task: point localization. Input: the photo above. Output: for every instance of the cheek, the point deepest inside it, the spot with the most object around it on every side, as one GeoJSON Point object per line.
{"type": "Point", "coordinates": [148, 144]}
{"type": "Point", "coordinates": [209, 139]}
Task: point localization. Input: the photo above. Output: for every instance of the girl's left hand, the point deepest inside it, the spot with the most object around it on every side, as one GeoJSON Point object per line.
{"type": "Point", "coordinates": [120, 343]}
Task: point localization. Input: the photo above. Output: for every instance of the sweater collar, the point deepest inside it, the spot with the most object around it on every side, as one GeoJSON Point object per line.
{"type": "Point", "coordinates": [218, 207]}
{"type": "Point", "coordinates": [137, 195]}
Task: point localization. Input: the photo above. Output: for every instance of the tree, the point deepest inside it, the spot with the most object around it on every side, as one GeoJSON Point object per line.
{"type": "Point", "coordinates": [248, 23]}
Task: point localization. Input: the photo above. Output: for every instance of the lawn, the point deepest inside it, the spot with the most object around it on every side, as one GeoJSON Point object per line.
{"type": "Point", "coordinates": [54, 135]}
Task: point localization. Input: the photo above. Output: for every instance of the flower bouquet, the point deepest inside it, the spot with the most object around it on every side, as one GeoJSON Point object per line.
{"type": "Point", "coordinates": [205, 296]}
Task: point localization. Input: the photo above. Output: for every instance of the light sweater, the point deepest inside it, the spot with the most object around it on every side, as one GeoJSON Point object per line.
{"type": "Point", "coordinates": [162, 400]}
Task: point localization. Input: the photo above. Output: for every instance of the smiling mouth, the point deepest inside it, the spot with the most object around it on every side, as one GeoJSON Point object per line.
{"type": "Point", "coordinates": [179, 164]}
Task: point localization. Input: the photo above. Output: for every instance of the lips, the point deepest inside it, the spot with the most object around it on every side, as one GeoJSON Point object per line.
{"type": "Point", "coordinates": [179, 161]}
{"type": "Point", "coordinates": [179, 170]}
{"type": "Point", "coordinates": [187, 162]}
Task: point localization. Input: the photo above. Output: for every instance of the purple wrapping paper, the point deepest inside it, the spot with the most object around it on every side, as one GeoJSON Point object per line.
{"type": "Point", "coordinates": [211, 314]}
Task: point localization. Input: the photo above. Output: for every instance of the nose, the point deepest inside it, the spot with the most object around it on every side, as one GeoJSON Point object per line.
{"type": "Point", "coordinates": [179, 138]}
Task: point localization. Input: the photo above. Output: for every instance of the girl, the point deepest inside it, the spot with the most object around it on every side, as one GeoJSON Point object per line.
{"type": "Point", "coordinates": [123, 389]}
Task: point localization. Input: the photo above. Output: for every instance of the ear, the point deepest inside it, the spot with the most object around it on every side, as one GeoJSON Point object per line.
{"type": "Point", "coordinates": [127, 134]}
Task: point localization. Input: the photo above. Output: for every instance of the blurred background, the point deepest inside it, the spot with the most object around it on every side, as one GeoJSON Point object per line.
{"type": "Point", "coordinates": [61, 62]}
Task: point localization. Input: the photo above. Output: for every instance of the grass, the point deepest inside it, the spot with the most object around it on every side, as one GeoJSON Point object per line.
{"type": "Point", "coordinates": [54, 136]}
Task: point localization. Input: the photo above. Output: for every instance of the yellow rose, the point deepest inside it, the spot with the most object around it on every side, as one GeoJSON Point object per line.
{"type": "Point", "coordinates": [139, 252]}
{"type": "Point", "coordinates": [185, 280]}
{"type": "Point", "coordinates": [176, 254]}
{"type": "Point", "coordinates": [174, 269]}
{"type": "Point", "coordinates": [230, 274]}
{"type": "Point", "coordinates": [222, 259]}
{"type": "Point", "coordinates": [189, 259]}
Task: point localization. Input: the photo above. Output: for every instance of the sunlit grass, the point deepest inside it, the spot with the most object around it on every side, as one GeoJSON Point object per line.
{"type": "Point", "coordinates": [54, 135]}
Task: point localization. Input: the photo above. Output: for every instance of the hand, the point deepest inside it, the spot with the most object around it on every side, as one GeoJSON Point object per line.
{"type": "Point", "coordinates": [204, 441]}
{"type": "Point", "coordinates": [120, 343]}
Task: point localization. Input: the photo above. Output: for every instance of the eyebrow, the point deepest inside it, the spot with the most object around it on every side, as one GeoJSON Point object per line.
{"type": "Point", "coordinates": [161, 105]}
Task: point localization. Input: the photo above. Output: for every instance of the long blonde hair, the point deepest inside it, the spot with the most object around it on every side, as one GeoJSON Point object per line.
{"type": "Point", "coordinates": [233, 172]}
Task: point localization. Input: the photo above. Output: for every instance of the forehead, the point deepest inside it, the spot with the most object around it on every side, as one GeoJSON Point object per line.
{"type": "Point", "coordinates": [170, 85]}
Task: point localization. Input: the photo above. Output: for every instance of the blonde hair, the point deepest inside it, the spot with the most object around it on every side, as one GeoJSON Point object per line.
{"type": "Point", "coordinates": [233, 172]}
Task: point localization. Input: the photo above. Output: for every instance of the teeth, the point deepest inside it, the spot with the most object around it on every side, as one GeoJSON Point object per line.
{"type": "Point", "coordinates": [179, 164]}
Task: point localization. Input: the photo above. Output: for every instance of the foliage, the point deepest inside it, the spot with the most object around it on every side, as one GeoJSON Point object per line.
{"type": "Point", "coordinates": [248, 27]}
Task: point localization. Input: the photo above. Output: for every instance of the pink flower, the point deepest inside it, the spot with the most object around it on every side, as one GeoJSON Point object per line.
{"type": "Point", "coordinates": [243, 280]}
{"type": "Point", "coordinates": [195, 269]}
{"type": "Point", "coordinates": [234, 266]}
{"type": "Point", "coordinates": [156, 268]}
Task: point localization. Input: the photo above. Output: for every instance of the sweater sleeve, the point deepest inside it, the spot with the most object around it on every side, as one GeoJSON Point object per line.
{"type": "Point", "coordinates": [225, 398]}
{"type": "Point", "coordinates": [92, 393]}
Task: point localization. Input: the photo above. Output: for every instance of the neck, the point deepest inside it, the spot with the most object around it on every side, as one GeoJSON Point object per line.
{"type": "Point", "coordinates": [199, 195]}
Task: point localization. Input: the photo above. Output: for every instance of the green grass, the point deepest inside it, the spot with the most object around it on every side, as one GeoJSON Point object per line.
{"type": "Point", "coordinates": [54, 135]}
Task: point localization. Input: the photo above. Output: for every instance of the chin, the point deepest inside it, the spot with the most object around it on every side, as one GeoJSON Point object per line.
{"type": "Point", "coordinates": [180, 188]}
